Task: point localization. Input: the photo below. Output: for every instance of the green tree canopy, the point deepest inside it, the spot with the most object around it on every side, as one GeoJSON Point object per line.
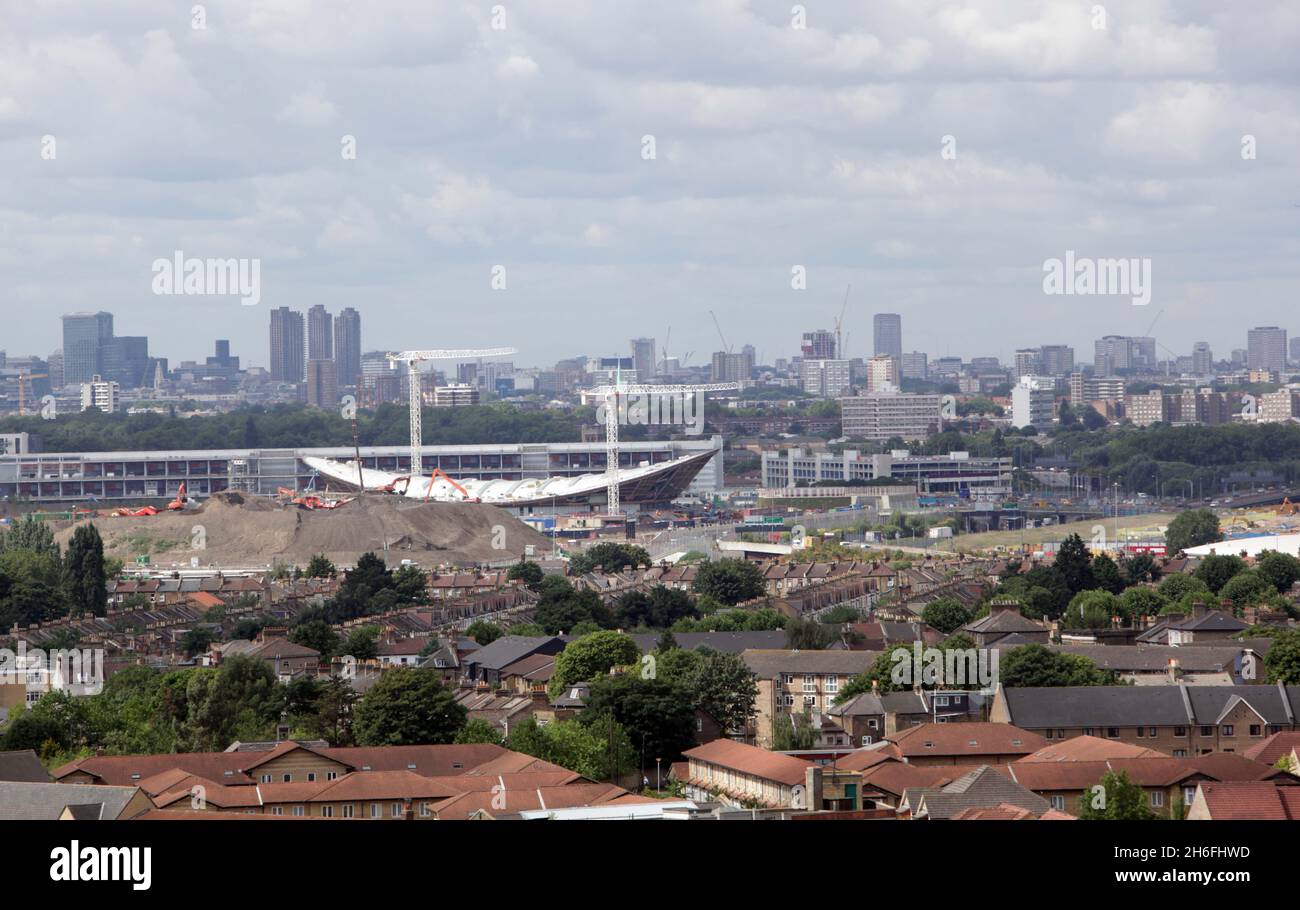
{"type": "Point", "coordinates": [408, 706]}
{"type": "Point", "coordinates": [730, 581]}
{"type": "Point", "coordinates": [1192, 529]}
{"type": "Point", "coordinates": [591, 657]}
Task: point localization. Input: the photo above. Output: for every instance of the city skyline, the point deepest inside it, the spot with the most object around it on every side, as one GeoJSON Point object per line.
{"type": "Point", "coordinates": [934, 168]}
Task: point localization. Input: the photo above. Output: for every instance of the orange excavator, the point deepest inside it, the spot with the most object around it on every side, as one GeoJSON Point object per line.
{"type": "Point", "coordinates": [438, 472]}
{"type": "Point", "coordinates": [181, 502]}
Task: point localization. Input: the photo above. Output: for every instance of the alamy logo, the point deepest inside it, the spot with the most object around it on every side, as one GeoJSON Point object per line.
{"type": "Point", "coordinates": [944, 669]}
{"type": "Point", "coordinates": [1122, 277]}
{"type": "Point", "coordinates": [200, 277]}
{"type": "Point", "coordinates": [656, 408]}
{"type": "Point", "coordinates": [76, 863]}
{"type": "Point", "coordinates": [77, 671]}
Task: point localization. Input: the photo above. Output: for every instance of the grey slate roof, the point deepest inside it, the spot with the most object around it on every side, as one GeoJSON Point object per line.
{"type": "Point", "coordinates": [768, 664]}
{"type": "Point", "coordinates": [22, 765]}
{"type": "Point", "coordinates": [726, 642]}
{"type": "Point", "coordinates": [42, 802]}
{"type": "Point", "coordinates": [981, 788]}
{"type": "Point", "coordinates": [509, 648]}
{"type": "Point", "coordinates": [1153, 658]}
{"type": "Point", "coordinates": [1212, 621]}
{"type": "Point", "coordinates": [1133, 706]}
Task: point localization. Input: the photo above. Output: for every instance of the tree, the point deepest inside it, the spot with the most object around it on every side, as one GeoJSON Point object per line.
{"type": "Point", "coordinates": [320, 567]}
{"type": "Point", "coordinates": [946, 614]}
{"type": "Point", "coordinates": [658, 609]}
{"type": "Point", "coordinates": [610, 557]}
{"type": "Point", "coordinates": [724, 688]}
{"type": "Point", "coordinates": [1106, 574]}
{"type": "Point", "coordinates": [575, 746]}
{"type": "Point", "coordinates": [1119, 799]}
{"type": "Point", "coordinates": [1217, 570]}
{"type": "Point", "coordinates": [241, 700]}
{"type": "Point", "coordinates": [808, 635]}
{"type": "Point", "coordinates": [1173, 587]}
{"type": "Point", "coordinates": [1137, 602]}
{"type": "Point", "coordinates": [591, 657]}
{"type": "Point", "coordinates": [1283, 658]}
{"type": "Point", "coordinates": [1139, 568]}
{"type": "Point", "coordinates": [84, 573]}
{"type": "Point", "coordinates": [317, 635]}
{"type": "Point", "coordinates": [1246, 589]}
{"type": "Point", "coordinates": [793, 731]}
{"type": "Point", "coordinates": [1037, 666]}
{"type": "Point", "coordinates": [362, 643]}
{"type": "Point", "coordinates": [1090, 610]}
{"type": "Point", "coordinates": [530, 573]}
{"type": "Point", "coordinates": [562, 607]}
{"type": "Point", "coordinates": [657, 716]}
{"type": "Point", "coordinates": [477, 730]}
{"type": "Point", "coordinates": [1281, 570]}
{"type": "Point", "coordinates": [30, 533]}
{"type": "Point", "coordinates": [408, 706]}
{"type": "Point", "coordinates": [484, 632]}
{"type": "Point", "coordinates": [197, 641]}
{"type": "Point", "coordinates": [1075, 564]}
{"type": "Point", "coordinates": [730, 581]}
{"type": "Point", "coordinates": [1192, 529]}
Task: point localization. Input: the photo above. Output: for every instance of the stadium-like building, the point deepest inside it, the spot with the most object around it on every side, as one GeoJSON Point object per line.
{"type": "Point", "coordinates": [689, 466]}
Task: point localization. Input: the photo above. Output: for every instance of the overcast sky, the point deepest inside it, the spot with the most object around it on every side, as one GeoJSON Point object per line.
{"type": "Point", "coordinates": [774, 147]}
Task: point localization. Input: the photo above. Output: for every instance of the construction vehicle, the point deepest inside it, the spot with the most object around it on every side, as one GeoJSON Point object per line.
{"type": "Point", "coordinates": [182, 502]}
{"type": "Point", "coordinates": [1287, 507]}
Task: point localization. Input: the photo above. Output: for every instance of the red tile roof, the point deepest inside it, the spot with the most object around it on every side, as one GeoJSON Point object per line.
{"type": "Point", "coordinates": [1090, 748]}
{"type": "Point", "coordinates": [966, 739]}
{"type": "Point", "coordinates": [751, 760]}
{"type": "Point", "coordinates": [1251, 800]}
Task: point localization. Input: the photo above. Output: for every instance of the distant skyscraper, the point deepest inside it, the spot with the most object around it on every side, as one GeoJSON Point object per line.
{"type": "Point", "coordinates": [1266, 348]}
{"type": "Point", "coordinates": [1058, 359]}
{"type": "Point", "coordinates": [322, 387]}
{"type": "Point", "coordinates": [125, 360]}
{"type": "Point", "coordinates": [347, 348]}
{"type": "Point", "coordinates": [882, 373]}
{"type": "Point", "coordinates": [914, 366]}
{"type": "Point", "coordinates": [84, 335]}
{"type": "Point", "coordinates": [320, 334]}
{"type": "Point", "coordinates": [818, 345]}
{"type": "Point", "coordinates": [1029, 362]}
{"type": "Point", "coordinates": [1294, 349]}
{"type": "Point", "coordinates": [643, 357]}
{"type": "Point", "coordinates": [287, 360]}
{"type": "Point", "coordinates": [1202, 359]}
{"type": "Point", "coordinates": [888, 331]}
{"type": "Point", "coordinates": [732, 367]}
{"type": "Point", "coordinates": [1113, 354]}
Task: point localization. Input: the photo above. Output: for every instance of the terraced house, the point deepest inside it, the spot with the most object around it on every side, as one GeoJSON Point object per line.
{"type": "Point", "coordinates": [1178, 720]}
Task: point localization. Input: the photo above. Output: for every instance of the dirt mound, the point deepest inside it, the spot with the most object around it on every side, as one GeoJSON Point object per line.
{"type": "Point", "coordinates": [234, 529]}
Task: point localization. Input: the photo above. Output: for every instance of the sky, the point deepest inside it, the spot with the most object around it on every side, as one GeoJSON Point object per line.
{"type": "Point", "coordinates": [627, 167]}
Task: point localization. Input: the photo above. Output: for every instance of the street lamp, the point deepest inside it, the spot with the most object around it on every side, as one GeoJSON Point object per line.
{"type": "Point", "coordinates": [658, 776]}
{"type": "Point", "coordinates": [1116, 488]}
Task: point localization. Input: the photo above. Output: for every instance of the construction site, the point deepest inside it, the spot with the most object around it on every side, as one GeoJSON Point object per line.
{"type": "Point", "coordinates": [232, 529]}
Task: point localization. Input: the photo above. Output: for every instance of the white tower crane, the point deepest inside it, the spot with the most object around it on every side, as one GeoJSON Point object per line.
{"type": "Point", "coordinates": [412, 359]}
{"type": "Point", "coordinates": [611, 394]}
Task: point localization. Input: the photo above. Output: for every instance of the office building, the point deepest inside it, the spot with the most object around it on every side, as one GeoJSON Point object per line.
{"type": "Point", "coordinates": [882, 374]}
{"type": "Point", "coordinates": [818, 345]}
{"type": "Point", "coordinates": [1266, 349]}
{"type": "Point", "coordinates": [320, 334]}
{"type": "Point", "coordinates": [914, 366]}
{"type": "Point", "coordinates": [125, 360]}
{"type": "Point", "coordinates": [1033, 402]}
{"type": "Point", "coordinates": [883, 415]}
{"type": "Point", "coordinates": [887, 331]}
{"type": "Point", "coordinates": [1148, 408]}
{"type": "Point", "coordinates": [1202, 359]}
{"type": "Point", "coordinates": [322, 384]}
{"type": "Point", "coordinates": [1281, 406]}
{"type": "Point", "coordinates": [101, 394]}
{"type": "Point", "coordinates": [1057, 359]}
{"type": "Point", "coordinates": [455, 395]}
{"type": "Point", "coordinates": [1113, 354]}
{"type": "Point", "coordinates": [732, 367]}
{"type": "Point", "coordinates": [825, 378]}
{"type": "Point", "coordinates": [643, 357]}
{"type": "Point", "coordinates": [956, 473]}
{"type": "Point", "coordinates": [1029, 362]}
{"type": "Point", "coordinates": [347, 348]}
{"type": "Point", "coordinates": [84, 335]}
{"type": "Point", "coordinates": [288, 353]}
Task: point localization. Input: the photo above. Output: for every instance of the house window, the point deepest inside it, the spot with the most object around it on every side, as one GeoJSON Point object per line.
{"type": "Point", "coordinates": [787, 700]}
{"type": "Point", "coordinates": [787, 679]}
{"type": "Point", "coordinates": [1180, 753]}
{"type": "Point", "coordinates": [331, 775]}
{"type": "Point", "coordinates": [311, 776]}
{"type": "Point", "coordinates": [1256, 730]}
{"type": "Point", "coordinates": [810, 700]}
{"type": "Point", "coordinates": [1151, 732]}
{"type": "Point", "coordinates": [266, 778]}
{"type": "Point", "coordinates": [397, 810]}
{"type": "Point", "coordinates": [832, 684]}
{"type": "Point", "coordinates": [298, 811]}
{"type": "Point", "coordinates": [1189, 796]}
{"type": "Point", "coordinates": [867, 740]}
{"type": "Point", "coordinates": [375, 810]}
{"type": "Point", "coordinates": [809, 683]}
{"type": "Point", "coordinates": [1157, 799]}
{"type": "Point", "coordinates": [1207, 731]}
{"type": "Point", "coordinates": [1140, 734]}
{"type": "Point", "coordinates": [1047, 734]}
{"type": "Point", "coordinates": [941, 701]}
{"type": "Point", "coordinates": [1058, 803]}
{"type": "Point", "coordinates": [1112, 732]}
{"type": "Point", "coordinates": [873, 724]}
{"type": "Point", "coordinates": [425, 811]}
{"type": "Point", "coordinates": [1227, 729]}
{"type": "Point", "coordinates": [1180, 731]}
{"type": "Point", "coordinates": [277, 810]}
{"type": "Point", "coordinates": [347, 810]}
{"type": "Point", "coordinates": [288, 778]}
{"type": "Point", "coordinates": [1087, 731]}
{"type": "Point", "coordinates": [326, 811]}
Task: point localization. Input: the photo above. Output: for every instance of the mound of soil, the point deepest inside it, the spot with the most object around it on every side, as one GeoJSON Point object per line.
{"type": "Point", "coordinates": [234, 529]}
